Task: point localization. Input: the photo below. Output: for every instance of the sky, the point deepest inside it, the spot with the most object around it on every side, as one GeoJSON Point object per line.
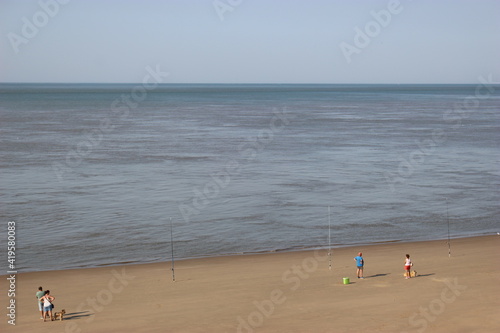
{"type": "Point", "coordinates": [250, 41]}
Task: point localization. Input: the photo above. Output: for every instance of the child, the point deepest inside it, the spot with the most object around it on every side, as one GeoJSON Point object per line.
{"type": "Point", "coordinates": [359, 264]}
{"type": "Point", "coordinates": [408, 265]}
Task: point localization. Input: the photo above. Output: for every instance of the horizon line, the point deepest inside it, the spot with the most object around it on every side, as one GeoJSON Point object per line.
{"type": "Point", "coordinates": [245, 83]}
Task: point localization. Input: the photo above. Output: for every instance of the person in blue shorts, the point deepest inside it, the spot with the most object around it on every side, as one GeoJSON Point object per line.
{"type": "Point", "coordinates": [47, 300]}
{"type": "Point", "coordinates": [360, 262]}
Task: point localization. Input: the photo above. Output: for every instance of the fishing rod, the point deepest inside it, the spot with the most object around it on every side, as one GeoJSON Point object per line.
{"type": "Point", "coordinates": [329, 242]}
{"type": "Point", "coordinates": [172, 248]}
{"type": "Point", "coordinates": [448, 221]}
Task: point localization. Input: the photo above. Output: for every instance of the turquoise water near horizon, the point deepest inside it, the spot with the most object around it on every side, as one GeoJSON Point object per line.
{"type": "Point", "coordinates": [93, 173]}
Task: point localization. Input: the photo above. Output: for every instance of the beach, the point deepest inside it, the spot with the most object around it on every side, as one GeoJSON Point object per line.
{"type": "Point", "coordinates": [271, 148]}
{"type": "Point", "coordinates": [277, 292]}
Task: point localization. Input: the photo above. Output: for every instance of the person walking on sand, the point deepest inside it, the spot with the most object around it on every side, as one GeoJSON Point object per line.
{"type": "Point", "coordinates": [360, 262]}
{"type": "Point", "coordinates": [47, 300]}
{"type": "Point", "coordinates": [408, 265]}
{"type": "Point", "coordinates": [39, 294]}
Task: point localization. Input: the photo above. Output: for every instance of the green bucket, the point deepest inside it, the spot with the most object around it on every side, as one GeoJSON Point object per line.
{"type": "Point", "coordinates": [346, 280]}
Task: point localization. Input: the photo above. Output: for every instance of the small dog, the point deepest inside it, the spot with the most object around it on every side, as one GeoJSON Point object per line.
{"type": "Point", "coordinates": [59, 315]}
{"type": "Point", "coordinates": [412, 274]}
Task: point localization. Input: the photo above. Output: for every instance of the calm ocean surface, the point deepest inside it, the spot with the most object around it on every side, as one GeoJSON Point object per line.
{"type": "Point", "coordinates": [92, 174]}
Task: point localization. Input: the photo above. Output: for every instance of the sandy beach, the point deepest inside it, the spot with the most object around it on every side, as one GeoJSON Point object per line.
{"type": "Point", "coordinates": [276, 292]}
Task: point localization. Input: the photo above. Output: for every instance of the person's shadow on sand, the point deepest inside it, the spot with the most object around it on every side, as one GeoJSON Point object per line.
{"type": "Point", "coordinates": [77, 315]}
{"type": "Point", "coordinates": [419, 275]}
{"type": "Point", "coordinates": [376, 275]}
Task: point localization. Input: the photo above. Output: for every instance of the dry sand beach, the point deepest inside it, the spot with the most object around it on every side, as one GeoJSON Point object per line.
{"type": "Point", "coordinates": [277, 292]}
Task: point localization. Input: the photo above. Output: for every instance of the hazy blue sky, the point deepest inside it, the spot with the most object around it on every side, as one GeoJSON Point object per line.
{"type": "Point", "coordinates": [250, 41]}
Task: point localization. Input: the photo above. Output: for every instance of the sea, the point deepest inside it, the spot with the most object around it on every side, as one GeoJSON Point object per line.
{"type": "Point", "coordinates": [105, 174]}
